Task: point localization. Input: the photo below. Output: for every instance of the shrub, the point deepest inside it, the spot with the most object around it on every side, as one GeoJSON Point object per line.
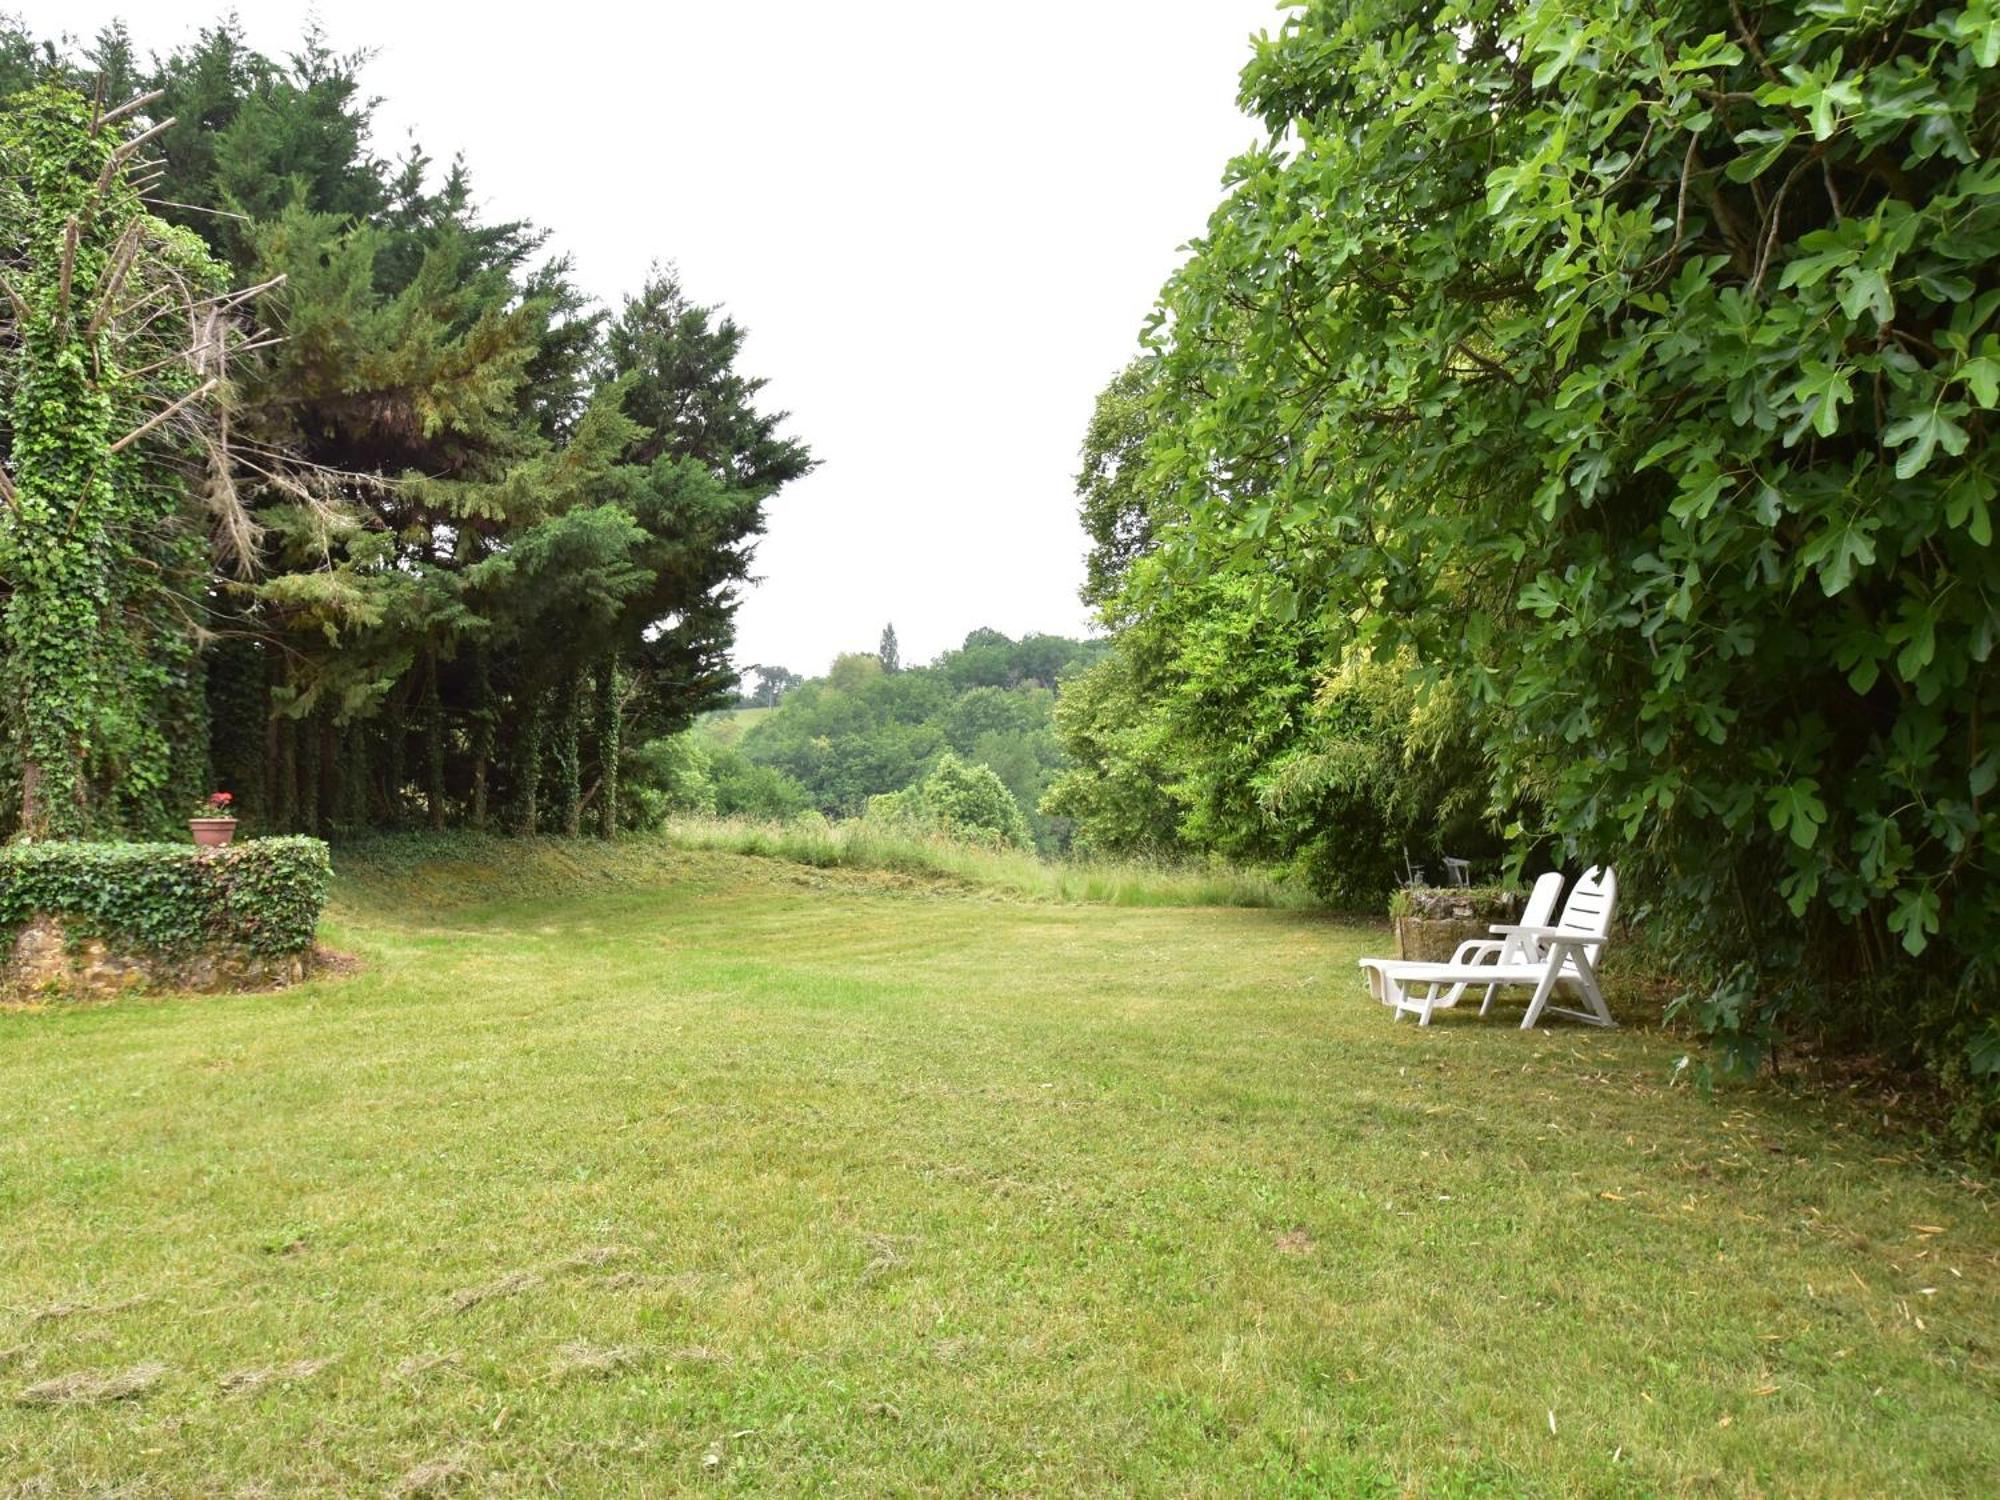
{"type": "Point", "coordinates": [957, 800]}
{"type": "Point", "coordinates": [264, 895]}
{"type": "Point", "coordinates": [1638, 369]}
{"type": "Point", "coordinates": [745, 789]}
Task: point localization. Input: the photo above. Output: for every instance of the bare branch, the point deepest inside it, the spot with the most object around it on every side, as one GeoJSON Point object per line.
{"type": "Point", "coordinates": [196, 208]}
{"type": "Point", "coordinates": [130, 149]}
{"type": "Point", "coordinates": [124, 153]}
{"type": "Point", "coordinates": [158, 417]}
{"type": "Point", "coordinates": [122, 256]}
{"type": "Point", "coordinates": [129, 106]}
{"type": "Point", "coordinates": [68, 270]}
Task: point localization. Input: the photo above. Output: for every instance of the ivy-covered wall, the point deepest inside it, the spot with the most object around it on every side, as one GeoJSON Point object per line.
{"type": "Point", "coordinates": [261, 898]}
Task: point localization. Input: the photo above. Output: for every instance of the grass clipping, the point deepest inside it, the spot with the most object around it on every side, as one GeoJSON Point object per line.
{"type": "Point", "coordinates": [81, 1388]}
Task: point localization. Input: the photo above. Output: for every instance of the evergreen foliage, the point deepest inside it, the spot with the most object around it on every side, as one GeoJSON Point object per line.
{"type": "Point", "coordinates": [459, 492]}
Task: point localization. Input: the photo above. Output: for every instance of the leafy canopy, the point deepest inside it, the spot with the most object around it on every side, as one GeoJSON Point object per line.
{"type": "Point", "coordinates": [1634, 365]}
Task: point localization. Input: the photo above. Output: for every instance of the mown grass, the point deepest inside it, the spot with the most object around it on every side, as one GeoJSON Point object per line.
{"type": "Point", "coordinates": [667, 1170]}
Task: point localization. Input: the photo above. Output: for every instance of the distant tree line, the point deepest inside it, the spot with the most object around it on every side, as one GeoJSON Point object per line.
{"type": "Point", "coordinates": [971, 737]}
{"type": "Point", "coordinates": [475, 537]}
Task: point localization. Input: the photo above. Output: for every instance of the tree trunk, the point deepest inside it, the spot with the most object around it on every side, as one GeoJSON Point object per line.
{"type": "Point", "coordinates": [482, 733]}
{"type": "Point", "coordinates": [288, 774]}
{"type": "Point", "coordinates": [610, 738]}
{"type": "Point", "coordinates": [31, 806]}
{"type": "Point", "coordinates": [309, 768]}
{"type": "Point", "coordinates": [354, 776]}
{"type": "Point", "coordinates": [528, 819]}
{"type": "Point", "coordinates": [330, 771]}
{"type": "Point", "coordinates": [397, 743]}
{"type": "Point", "coordinates": [433, 745]}
{"type": "Point", "coordinates": [569, 753]}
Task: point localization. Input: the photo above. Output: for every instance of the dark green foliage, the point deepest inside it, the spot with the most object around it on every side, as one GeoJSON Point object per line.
{"type": "Point", "coordinates": [862, 731]}
{"type": "Point", "coordinates": [264, 895]}
{"type": "Point", "coordinates": [100, 694]}
{"type": "Point", "coordinates": [1634, 368]}
{"type": "Point", "coordinates": [460, 491]}
{"type": "Point", "coordinates": [959, 800]}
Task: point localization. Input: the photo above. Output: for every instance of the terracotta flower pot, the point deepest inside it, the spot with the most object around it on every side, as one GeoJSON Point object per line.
{"type": "Point", "coordinates": [212, 833]}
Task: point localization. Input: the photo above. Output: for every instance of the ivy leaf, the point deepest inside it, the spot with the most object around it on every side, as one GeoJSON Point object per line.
{"type": "Point", "coordinates": [1824, 389]}
{"type": "Point", "coordinates": [1751, 165]}
{"type": "Point", "coordinates": [1865, 289]}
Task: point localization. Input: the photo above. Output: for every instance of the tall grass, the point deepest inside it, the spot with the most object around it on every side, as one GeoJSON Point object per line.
{"type": "Point", "coordinates": [442, 870]}
{"type": "Point", "coordinates": [861, 845]}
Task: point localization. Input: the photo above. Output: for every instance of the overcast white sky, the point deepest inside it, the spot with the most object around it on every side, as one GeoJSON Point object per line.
{"type": "Point", "coordinates": [943, 226]}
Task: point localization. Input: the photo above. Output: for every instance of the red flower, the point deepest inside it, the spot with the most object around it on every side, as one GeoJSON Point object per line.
{"type": "Point", "coordinates": [220, 800]}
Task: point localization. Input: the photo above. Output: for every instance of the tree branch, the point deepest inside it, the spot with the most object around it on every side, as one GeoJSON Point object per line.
{"type": "Point", "coordinates": [158, 417]}
{"type": "Point", "coordinates": [127, 108]}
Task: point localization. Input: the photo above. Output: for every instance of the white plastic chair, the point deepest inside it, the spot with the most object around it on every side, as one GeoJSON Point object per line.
{"type": "Point", "coordinates": [1513, 948]}
{"type": "Point", "coordinates": [1544, 956]}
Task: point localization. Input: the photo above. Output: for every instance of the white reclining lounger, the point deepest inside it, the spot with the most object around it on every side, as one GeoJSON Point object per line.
{"type": "Point", "coordinates": [1528, 953]}
{"type": "Point", "coordinates": [1515, 948]}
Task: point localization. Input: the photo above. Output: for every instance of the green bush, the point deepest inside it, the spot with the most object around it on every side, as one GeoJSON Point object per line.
{"type": "Point", "coordinates": [1637, 369]}
{"type": "Point", "coordinates": [264, 895]}
{"type": "Point", "coordinates": [957, 800]}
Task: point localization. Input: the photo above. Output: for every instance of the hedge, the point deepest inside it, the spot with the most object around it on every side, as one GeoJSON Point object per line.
{"type": "Point", "coordinates": [264, 895]}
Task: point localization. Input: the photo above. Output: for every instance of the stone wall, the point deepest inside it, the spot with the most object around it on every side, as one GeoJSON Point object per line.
{"type": "Point", "coordinates": [45, 961]}
{"type": "Point", "coordinates": [1435, 939]}
{"type": "Point", "coordinates": [1432, 921]}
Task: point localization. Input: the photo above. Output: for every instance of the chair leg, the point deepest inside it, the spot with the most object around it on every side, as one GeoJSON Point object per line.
{"type": "Point", "coordinates": [1592, 995]}
{"type": "Point", "coordinates": [1542, 992]}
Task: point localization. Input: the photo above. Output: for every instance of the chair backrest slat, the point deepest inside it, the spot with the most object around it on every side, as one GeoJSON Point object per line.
{"type": "Point", "coordinates": [1542, 899]}
{"type": "Point", "coordinates": [1593, 900]}
{"type": "Point", "coordinates": [1541, 906]}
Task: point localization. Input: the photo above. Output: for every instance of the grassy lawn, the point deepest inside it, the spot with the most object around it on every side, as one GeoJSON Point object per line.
{"type": "Point", "coordinates": [709, 1173]}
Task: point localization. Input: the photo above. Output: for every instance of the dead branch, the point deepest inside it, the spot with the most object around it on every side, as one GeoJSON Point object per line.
{"type": "Point", "coordinates": [68, 270]}
{"type": "Point", "coordinates": [158, 417]}
{"type": "Point", "coordinates": [128, 107]}
{"type": "Point", "coordinates": [126, 251]}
